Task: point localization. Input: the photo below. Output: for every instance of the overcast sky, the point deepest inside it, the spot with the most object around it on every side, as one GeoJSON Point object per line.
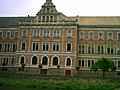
{"type": "Point", "coordinates": [67, 7]}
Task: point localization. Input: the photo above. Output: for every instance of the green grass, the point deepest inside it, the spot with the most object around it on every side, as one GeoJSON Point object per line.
{"type": "Point", "coordinates": [59, 82]}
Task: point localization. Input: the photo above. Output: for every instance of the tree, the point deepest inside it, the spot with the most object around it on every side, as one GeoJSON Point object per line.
{"type": "Point", "coordinates": [22, 67]}
{"type": "Point", "coordinates": [95, 68]}
{"type": "Point", "coordinates": [40, 66]}
{"type": "Point", "coordinates": [113, 68]}
{"type": "Point", "coordinates": [58, 66]}
{"type": "Point", "coordinates": [103, 64]}
{"type": "Point", "coordinates": [77, 68]}
{"type": "Point", "coordinates": [4, 64]}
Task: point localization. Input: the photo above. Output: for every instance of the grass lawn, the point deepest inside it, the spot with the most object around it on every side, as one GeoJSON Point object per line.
{"type": "Point", "coordinates": [59, 82]}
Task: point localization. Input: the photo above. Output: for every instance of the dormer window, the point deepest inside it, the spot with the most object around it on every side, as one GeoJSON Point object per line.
{"type": "Point", "coordinates": [43, 18]}
{"type": "Point", "coordinates": [51, 18]}
{"type": "Point", "coordinates": [47, 19]}
{"type": "Point", "coordinates": [48, 9]}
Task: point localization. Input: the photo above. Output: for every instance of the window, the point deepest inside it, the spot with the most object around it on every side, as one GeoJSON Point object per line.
{"type": "Point", "coordinates": [14, 47]}
{"type": "Point", "coordinates": [81, 63]}
{"type": "Point", "coordinates": [110, 36]}
{"type": "Point", "coordinates": [1, 47]}
{"type": "Point", "coordinates": [118, 64]}
{"type": "Point", "coordinates": [24, 33]}
{"type": "Point", "coordinates": [118, 49]}
{"type": "Point", "coordinates": [7, 48]}
{"type": "Point", "coordinates": [35, 46]}
{"type": "Point", "coordinates": [55, 61]}
{"type": "Point", "coordinates": [22, 60]}
{"type": "Point", "coordinates": [13, 60]}
{"type": "Point", "coordinates": [44, 60]}
{"type": "Point", "coordinates": [5, 60]}
{"type": "Point", "coordinates": [100, 36]}
{"type": "Point", "coordinates": [81, 49]}
{"type": "Point", "coordinates": [91, 36]}
{"type": "Point", "coordinates": [119, 36]}
{"type": "Point", "coordinates": [45, 46]}
{"type": "Point", "coordinates": [69, 47]}
{"type": "Point", "coordinates": [56, 33]}
{"type": "Point", "coordinates": [23, 46]}
{"type": "Point", "coordinates": [16, 35]}
{"type": "Point", "coordinates": [36, 33]}
{"type": "Point", "coordinates": [1, 35]}
{"type": "Point", "coordinates": [100, 49]}
{"type": "Point", "coordinates": [8, 35]}
{"type": "Point", "coordinates": [55, 46]}
{"type": "Point", "coordinates": [43, 18]}
{"type": "Point", "coordinates": [110, 49]}
{"type": "Point", "coordinates": [46, 33]}
{"type": "Point", "coordinates": [68, 62]}
{"type": "Point", "coordinates": [90, 63]}
{"type": "Point", "coordinates": [48, 9]}
{"type": "Point", "coordinates": [51, 18]}
{"type": "Point", "coordinates": [81, 35]}
{"type": "Point", "coordinates": [91, 49]}
{"type": "Point", "coordinates": [1, 60]}
{"type": "Point", "coordinates": [34, 60]}
{"type": "Point", "coordinates": [47, 17]}
{"type": "Point", "coordinates": [69, 33]}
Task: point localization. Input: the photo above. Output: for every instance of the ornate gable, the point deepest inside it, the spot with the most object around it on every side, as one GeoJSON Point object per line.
{"type": "Point", "coordinates": [48, 12]}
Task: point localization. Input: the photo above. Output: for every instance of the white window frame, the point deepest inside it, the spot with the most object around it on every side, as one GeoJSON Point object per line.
{"type": "Point", "coordinates": [81, 62]}
{"type": "Point", "coordinates": [46, 33]}
{"type": "Point", "coordinates": [24, 35]}
{"type": "Point", "coordinates": [35, 46]}
{"type": "Point", "coordinates": [90, 62]}
{"type": "Point", "coordinates": [91, 37]}
{"type": "Point", "coordinates": [81, 49]}
{"type": "Point", "coordinates": [101, 37]}
{"type": "Point", "coordinates": [1, 34]}
{"type": "Point", "coordinates": [46, 43]}
{"type": "Point", "coordinates": [82, 36]}
{"type": "Point", "coordinates": [25, 45]}
{"type": "Point", "coordinates": [100, 49]}
{"type": "Point", "coordinates": [91, 49]}
{"type": "Point", "coordinates": [110, 37]}
{"type": "Point", "coordinates": [111, 47]}
{"type": "Point", "coordinates": [52, 61]}
{"type": "Point", "coordinates": [15, 34]}
{"type": "Point", "coordinates": [7, 48]}
{"type": "Point", "coordinates": [66, 62]}
{"type": "Point", "coordinates": [8, 37]}
{"type": "Point", "coordinates": [69, 32]}
{"type": "Point", "coordinates": [71, 47]}
{"type": "Point", "coordinates": [36, 32]}
{"type": "Point", "coordinates": [56, 43]}
{"type": "Point", "coordinates": [118, 37]}
{"type": "Point", "coordinates": [56, 33]}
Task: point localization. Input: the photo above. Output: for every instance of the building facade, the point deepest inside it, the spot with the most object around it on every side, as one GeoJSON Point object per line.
{"type": "Point", "coordinates": [50, 38]}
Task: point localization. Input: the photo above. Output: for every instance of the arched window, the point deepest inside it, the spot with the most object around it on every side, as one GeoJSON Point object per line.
{"type": "Point", "coordinates": [55, 61]}
{"type": "Point", "coordinates": [44, 61]}
{"type": "Point", "coordinates": [34, 60]}
{"type": "Point", "coordinates": [68, 62]}
{"type": "Point", "coordinates": [22, 60]}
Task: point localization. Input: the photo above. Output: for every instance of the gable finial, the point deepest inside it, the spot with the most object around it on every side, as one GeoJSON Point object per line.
{"type": "Point", "coordinates": [48, 0]}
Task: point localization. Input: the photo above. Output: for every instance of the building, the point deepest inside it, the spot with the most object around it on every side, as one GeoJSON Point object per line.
{"type": "Point", "coordinates": [50, 38]}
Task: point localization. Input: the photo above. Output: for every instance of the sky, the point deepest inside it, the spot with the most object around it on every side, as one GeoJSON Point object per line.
{"type": "Point", "coordinates": [9, 8]}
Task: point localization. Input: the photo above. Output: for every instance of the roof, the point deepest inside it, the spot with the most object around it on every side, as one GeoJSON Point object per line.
{"type": "Point", "coordinates": [12, 22]}
{"type": "Point", "coordinates": [110, 20]}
